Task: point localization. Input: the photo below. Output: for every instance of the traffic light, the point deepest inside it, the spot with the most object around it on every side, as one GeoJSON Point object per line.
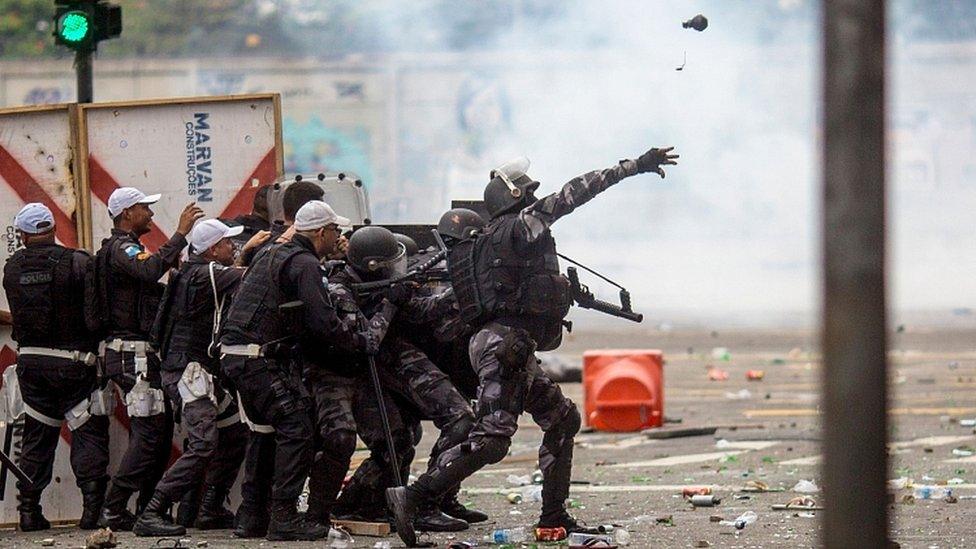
{"type": "Point", "coordinates": [80, 24]}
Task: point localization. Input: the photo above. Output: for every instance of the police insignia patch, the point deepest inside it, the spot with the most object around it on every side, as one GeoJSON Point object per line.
{"type": "Point", "coordinates": [132, 250]}
{"type": "Point", "coordinates": [143, 256]}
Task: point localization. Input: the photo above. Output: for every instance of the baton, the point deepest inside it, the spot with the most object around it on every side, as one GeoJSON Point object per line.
{"type": "Point", "coordinates": [9, 463]}
{"type": "Point", "coordinates": [374, 374]}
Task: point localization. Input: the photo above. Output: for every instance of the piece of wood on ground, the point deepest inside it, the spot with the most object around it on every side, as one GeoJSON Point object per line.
{"type": "Point", "coordinates": [358, 528]}
{"type": "Point", "coordinates": [657, 434]}
{"type": "Point", "coordinates": [784, 507]}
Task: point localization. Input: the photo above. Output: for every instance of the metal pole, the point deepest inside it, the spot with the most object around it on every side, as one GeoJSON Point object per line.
{"type": "Point", "coordinates": [854, 323]}
{"type": "Point", "coordinates": [384, 415]}
{"type": "Point", "coordinates": [83, 71]}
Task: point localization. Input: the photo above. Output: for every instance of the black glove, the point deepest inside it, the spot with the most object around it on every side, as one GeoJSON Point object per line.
{"type": "Point", "coordinates": [652, 160]}
{"type": "Point", "coordinates": [400, 293]}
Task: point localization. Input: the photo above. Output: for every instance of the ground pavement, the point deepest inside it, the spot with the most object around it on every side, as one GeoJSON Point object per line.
{"type": "Point", "coordinates": [768, 432]}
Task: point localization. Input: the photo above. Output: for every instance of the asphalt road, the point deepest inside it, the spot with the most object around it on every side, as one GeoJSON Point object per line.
{"type": "Point", "coordinates": [768, 432]}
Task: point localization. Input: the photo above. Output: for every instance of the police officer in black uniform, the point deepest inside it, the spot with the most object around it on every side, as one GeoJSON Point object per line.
{"type": "Point", "coordinates": [283, 301]}
{"type": "Point", "coordinates": [129, 292]}
{"type": "Point", "coordinates": [509, 288]}
{"type": "Point", "coordinates": [45, 285]}
{"type": "Point", "coordinates": [186, 330]}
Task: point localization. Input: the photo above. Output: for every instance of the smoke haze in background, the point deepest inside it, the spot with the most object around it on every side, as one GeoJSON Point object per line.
{"type": "Point", "coordinates": [730, 236]}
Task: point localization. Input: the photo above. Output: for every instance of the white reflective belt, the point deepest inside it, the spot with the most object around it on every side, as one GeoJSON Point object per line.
{"type": "Point", "coordinates": [46, 420]}
{"type": "Point", "coordinates": [266, 429]}
{"type": "Point", "coordinates": [251, 350]}
{"type": "Point", "coordinates": [75, 356]}
{"type": "Point", "coordinates": [234, 419]}
{"type": "Point", "coordinates": [128, 346]}
{"type": "Point", "coordinates": [231, 419]}
{"type": "Point", "coordinates": [140, 348]}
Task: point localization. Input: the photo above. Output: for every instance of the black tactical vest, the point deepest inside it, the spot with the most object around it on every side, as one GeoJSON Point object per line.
{"type": "Point", "coordinates": [187, 312]}
{"type": "Point", "coordinates": [253, 316]}
{"type": "Point", "coordinates": [46, 299]}
{"type": "Point", "coordinates": [130, 303]}
{"type": "Point", "coordinates": [517, 287]}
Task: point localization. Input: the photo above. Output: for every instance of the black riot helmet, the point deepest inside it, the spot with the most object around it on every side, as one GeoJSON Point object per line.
{"type": "Point", "coordinates": [408, 243]}
{"type": "Point", "coordinates": [510, 187]}
{"type": "Point", "coordinates": [459, 224]}
{"type": "Point", "coordinates": [375, 253]}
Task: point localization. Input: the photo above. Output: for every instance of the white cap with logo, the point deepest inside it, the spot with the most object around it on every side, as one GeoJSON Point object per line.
{"type": "Point", "coordinates": [34, 218]}
{"type": "Point", "coordinates": [127, 197]}
{"type": "Point", "coordinates": [207, 233]}
{"type": "Point", "coordinates": [317, 214]}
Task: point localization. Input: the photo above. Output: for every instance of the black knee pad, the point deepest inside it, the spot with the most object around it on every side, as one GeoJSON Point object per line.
{"type": "Point", "coordinates": [494, 449]}
{"type": "Point", "coordinates": [339, 445]}
{"type": "Point", "coordinates": [458, 430]}
{"type": "Point", "coordinates": [571, 422]}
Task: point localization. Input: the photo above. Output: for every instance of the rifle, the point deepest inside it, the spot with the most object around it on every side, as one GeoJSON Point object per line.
{"type": "Point", "coordinates": [585, 298]}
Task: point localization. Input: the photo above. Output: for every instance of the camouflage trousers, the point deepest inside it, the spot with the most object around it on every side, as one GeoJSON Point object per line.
{"type": "Point", "coordinates": [505, 391]}
{"type": "Point", "coordinates": [420, 390]}
{"type": "Point", "coordinates": [345, 405]}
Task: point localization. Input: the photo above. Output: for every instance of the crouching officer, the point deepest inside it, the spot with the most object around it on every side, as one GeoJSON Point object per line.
{"type": "Point", "coordinates": [260, 359]}
{"type": "Point", "coordinates": [45, 285]}
{"type": "Point", "coordinates": [129, 291]}
{"type": "Point", "coordinates": [509, 288]}
{"type": "Point", "coordinates": [375, 254]}
{"type": "Point", "coordinates": [186, 329]}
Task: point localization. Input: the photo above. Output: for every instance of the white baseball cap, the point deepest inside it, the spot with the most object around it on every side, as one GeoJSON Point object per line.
{"type": "Point", "coordinates": [316, 214]}
{"type": "Point", "coordinates": [127, 197]}
{"type": "Point", "coordinates": [34, 218]}
{"type": "Point", "coordinates": [207, 233]}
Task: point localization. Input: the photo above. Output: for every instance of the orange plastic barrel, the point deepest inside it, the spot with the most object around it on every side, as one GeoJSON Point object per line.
{"type": "Point", "coordinates": [623, 389]}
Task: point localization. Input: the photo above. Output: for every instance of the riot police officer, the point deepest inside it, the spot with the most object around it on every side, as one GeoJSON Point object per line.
{"type": "Point", "coordinates": [283, 301]}
{"type": "Point", "coordinates": [45, 285]}
{"type": "Point", "coordinates": [129, 291]}
{"type": "Point", "coordinates": [186, 330]}
{"type": "Point", "coordinates": [509, 288]}
{"type": "Point", "coordinates": [416, 383]}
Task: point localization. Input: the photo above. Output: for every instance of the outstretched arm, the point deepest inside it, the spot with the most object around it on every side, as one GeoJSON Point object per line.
{"type": "Point", "coordinates": [540, 215]}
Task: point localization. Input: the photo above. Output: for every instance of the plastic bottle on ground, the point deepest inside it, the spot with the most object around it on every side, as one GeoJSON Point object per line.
{"type": "Point", "coordinates": [930, 492]}
{"type": "Point", "coordinates": [743, 520]}
{"type": "Point", "coordinates": [532, 493]}
{"type": "Point", "coordinates": [507, 535]}
{"type": "Point", "coordinates": [339, 539]}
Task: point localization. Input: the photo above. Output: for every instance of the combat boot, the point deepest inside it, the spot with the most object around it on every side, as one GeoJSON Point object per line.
{"type": "Point", "coordinates": [431, 519]}
{"type": "Point", "coordinates": [251, 521]}
{"type": "Point", "coordinates": [115, 512]}
{"type": "Point", "coordinates": [92, 498]}
{"type": "Point", "coordinates": [189, 507]}
{"type": "Point", "coordinates": [212, 514]}
{"type": "Point", "coordinates": [403, 504]}
{"type": "Point", "coordinates": [31, 517]}
{"type": "Point", "coordinates": [452, 507]}
{"type": "Point", "coordinates": [154, 520]}
{"type": "Point", "coordinates": [287, 525]}
{"type": "Point", "coordinates": [562, 519]}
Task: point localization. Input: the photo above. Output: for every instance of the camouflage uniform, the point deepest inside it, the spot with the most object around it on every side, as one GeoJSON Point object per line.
{"type": "Point", "coordinates": [420, 391]}
{"type": "Point", "coordinates": [502, 349]}
{"type": "Point", "coordinates": [334, 378]}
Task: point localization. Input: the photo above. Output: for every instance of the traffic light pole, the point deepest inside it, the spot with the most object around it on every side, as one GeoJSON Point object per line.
{"type": "Point", "coordinates": [83, 72]}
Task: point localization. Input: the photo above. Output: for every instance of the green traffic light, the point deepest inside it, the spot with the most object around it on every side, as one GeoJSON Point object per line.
{"type": "Point", "coordinates": [74, 26]}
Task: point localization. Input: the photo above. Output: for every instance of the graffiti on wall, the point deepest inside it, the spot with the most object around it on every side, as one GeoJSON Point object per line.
{"type": "Point", "coordinates": [313, 146]}
{"type": "Point", "coordinates": [45, 95]}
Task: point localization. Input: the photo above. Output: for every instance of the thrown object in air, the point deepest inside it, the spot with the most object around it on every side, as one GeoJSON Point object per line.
{"type": "Point", "coordinates": [698, 22]}
{"type": "Point", "coordinates": [623, 390]}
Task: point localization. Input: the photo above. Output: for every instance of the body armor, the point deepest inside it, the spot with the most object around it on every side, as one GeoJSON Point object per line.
{"type": "Point", "coordinates": [46, 299]}
{"type": "Point", "coordinates": [186, 316]}
{"type": "Point", "coordinates": [253, 316]}
{"type": "Point", "coordinates": [127, 305]}
{"type": "Point", "coordinates": [493, 280]}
